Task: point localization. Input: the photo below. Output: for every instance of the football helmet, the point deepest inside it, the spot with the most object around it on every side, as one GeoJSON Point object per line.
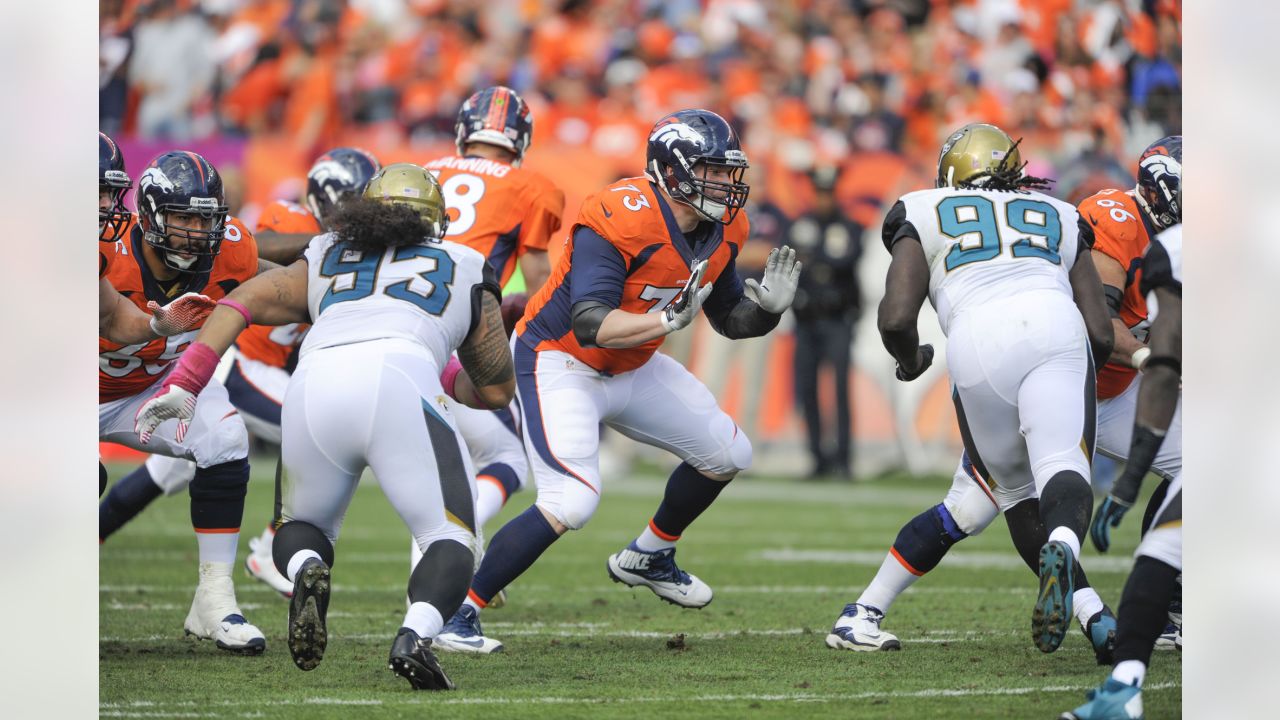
{"type": "Point", "coordinates": [182, 182]}
{"type": "Point", "coordinates": [683, 147]}
{"type": "Point", "coordinates": [1159, 188]}
{"type": "Point", "coordinates": [413, 187]}
{"type": "Point", "coordinates": [973, 150]}
{"type": "Point", "coordinates": [112, 179]}
{"type": "Point", "coordinates": [336, 174]}
{"type": "Point", "coordinates": [496, 116]}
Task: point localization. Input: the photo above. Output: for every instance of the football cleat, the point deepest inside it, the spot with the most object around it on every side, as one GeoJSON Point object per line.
{"type": "Point", "coordinates": [858, 628]}
{"type": "Point", "coordinates": [307, 609]}
{"type": "Point", "coordinates": [1112, 700]}
{"type": "Point", "coordinates": [1052, 614]}
{"type": "Point", "coordinates": [412, 659]}
{"type": "Point", "coordinates": [463, 634]}
{"type": "Point", "coordinates": [259, 564]}
{"type": "Point", "coordinates": [215, 616]}
{"type": "Point", "coordinates": [1101, 631]}
{"type": "Point", "coordinates": [658, 572]}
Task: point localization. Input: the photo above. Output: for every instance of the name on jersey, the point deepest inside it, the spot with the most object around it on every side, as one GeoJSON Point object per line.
{"type": "Point", "coordinates": [471, 164]}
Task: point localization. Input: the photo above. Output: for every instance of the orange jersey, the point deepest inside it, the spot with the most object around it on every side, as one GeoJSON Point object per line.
{"type": "Point", "coordinates": [642, 269]}
{"type": "Point", "coordinates": [274, 345]}
{"type": "Point", "coordinates": [1121, 232]}
{"type": "Point", "coordinates": [127, 370]}
{"type": "Point", "coordinates": [497, 209]}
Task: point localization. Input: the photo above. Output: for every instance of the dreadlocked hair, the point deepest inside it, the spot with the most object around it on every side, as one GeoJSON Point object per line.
{"type": "Point", "coordinates": [366, 224]}
{"type": "Point", "coordinates": [1006, 177]}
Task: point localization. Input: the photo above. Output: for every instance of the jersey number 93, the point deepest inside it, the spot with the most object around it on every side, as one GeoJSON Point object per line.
{"type": "Point", "coordinates": [355, 275]}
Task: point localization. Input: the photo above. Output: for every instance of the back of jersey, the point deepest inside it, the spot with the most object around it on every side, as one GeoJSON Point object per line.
{"type": "Point", "coordinates": [983, 245]}
{"type": "Point", "coordinates": [420, 293]}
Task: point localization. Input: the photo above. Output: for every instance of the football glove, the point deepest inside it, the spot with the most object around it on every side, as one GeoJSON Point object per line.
{"type": "Point", "coordinates": [182, 314]}
{"type": "Point", "coordinates": [781, 278]}
{"type": "Point", "coordinates": [924, 358]}
{"type": "Point", "coordinates": [170, 402]}
{"type": "Point", "coordinates": [686, 307]}
{"type": "Point", "coordinates": [1124, 493]}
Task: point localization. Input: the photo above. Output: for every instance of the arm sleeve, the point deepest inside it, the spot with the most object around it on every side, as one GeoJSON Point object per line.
{"type": "Point", "coordinates": [488, 283]}
{"type": "Point", "coordinates": [896, 226]}
{"type": "Point", "coordinates": [727, 290]}
{"type": "Point", "coordinates": [597, 271]}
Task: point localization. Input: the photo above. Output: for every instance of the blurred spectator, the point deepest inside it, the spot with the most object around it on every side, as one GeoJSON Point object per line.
{"type": "Point", "coordinates": [826, 307]}
{"type": "Point", "coordinates": [172, 68]}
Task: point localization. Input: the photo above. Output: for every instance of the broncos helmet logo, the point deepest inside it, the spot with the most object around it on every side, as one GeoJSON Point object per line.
{"type": "Point", "coordinates": [155, 176]}
{"type": "Point", "coordinates": [330, 170]}
{"type": "Point", "coordinates": [669, 134]}
{"type": "Point", "coordinates": [1161, 165]}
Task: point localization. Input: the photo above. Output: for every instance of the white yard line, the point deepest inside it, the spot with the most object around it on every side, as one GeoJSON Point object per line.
{"type": "Point", "coordinates": [959, 559]}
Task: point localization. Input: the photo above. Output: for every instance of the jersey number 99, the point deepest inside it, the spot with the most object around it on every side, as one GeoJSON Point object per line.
{"type": "Point", "coordinates": [969, 214]}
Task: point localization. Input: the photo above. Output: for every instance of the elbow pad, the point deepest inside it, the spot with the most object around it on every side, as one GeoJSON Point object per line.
{"type": "Point", "coordinates": [588, 316]}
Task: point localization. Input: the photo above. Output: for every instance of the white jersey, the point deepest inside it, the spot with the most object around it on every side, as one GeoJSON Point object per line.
{"type": "Point", "coordinates": [983, 245]}
{"type": "Point", "coordinates": [1162, 267]}
{"type": "Point", "coordinates": [420, 293]}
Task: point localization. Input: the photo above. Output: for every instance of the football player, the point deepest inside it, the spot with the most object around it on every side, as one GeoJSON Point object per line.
{"type": "Point", "coordinates": [1120, 226]}
{"type": "Point", "coordinates": [390, 301]}
{"type": "Point", "coordinates": [645, 255]}
{"type": "Point", "coordinates": [505, 212]}
{"type": "Point", "coordinates": [1154, 580]}
{"type": "Point", "coordinates": [182, 240]}
{"type": "Point", "coordinates": [1019, 299]}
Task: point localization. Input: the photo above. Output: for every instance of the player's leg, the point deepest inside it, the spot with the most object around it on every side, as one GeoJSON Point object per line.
{"type": "Point", "coordinates": [664, 405]}
{"type": "Point", "coordinates": [805, 361]}
{"type": "Point", "coordinates": [920, 545]}
{"type": "Point", "coordinates": [497, 453]}
{"type": "Point", "coordinates": [839, 349]}
{"type": "Point", "coordinates": [561, 404]}
{"type": "Point", "coordinates": [131, 494]}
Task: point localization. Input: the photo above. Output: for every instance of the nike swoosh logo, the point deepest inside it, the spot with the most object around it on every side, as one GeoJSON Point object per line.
{"type": "Point", "coordinates": [471, 643]}
{"type": "Point", "coordinates": [606, 210]}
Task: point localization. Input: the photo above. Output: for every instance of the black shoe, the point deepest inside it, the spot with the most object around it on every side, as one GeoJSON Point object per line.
{"type": "Point", "coordinates": [412, 659]}
{"type": "Point", "coordinates": [307, 608]}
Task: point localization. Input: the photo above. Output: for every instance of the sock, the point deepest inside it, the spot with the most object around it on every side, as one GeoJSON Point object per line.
{"type": "Point", "coordinates": [128, 497]}
{"type": "Point", "coordinates": [214, 570]}
{"type": "Point", "coordinates": [266, 538]}
{"type": "Point", "coordinates": [495, 483]}
{"type": "Point", "coordinates": [295, 562]}
{"type": "Point", "coordinates": [1086, 602]}
{"type": "Point", "coordinates": [688, 494]}
{"type": "Point", "coordinates": [1130, 672]}
{"type": "Point", "coordinates": [925, 539]}
{"type": "Point", "coordinates": [423, 619]}
{"type": "Point", "coordinates": [294, 538]}
{"type": "Point", "coordinates": [891, 581]}
{"type": "Point", "coordinates": [1067, 502]}
{"type": "Point", "coordinates": [217, 547]}
{"type": "Point", "coordinates": [1027, 532]}
{"type": "Point", "coordinates": [217, 496]}
{"type": "Point", "coordinates": [512, 551]}
{"type": "Point", "coordinates": [442, 577]}
{"type": "Point", "coordinates": [1068, 537]}
{"type": "Point", "coordinates": [651, 540]}
{"type": "Point", "coordinates": [469, 602]}
{"type": "Point", "coordinates": [1153, 505]}
{"type": "Point", "coordinates": [1144, 608]}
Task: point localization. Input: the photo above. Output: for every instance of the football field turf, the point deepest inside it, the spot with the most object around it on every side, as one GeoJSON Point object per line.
{"type": "Point", "coordinates": [782, 556]}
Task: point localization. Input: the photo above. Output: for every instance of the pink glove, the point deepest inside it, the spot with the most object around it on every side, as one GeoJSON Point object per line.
{"type": "Point", "coordinates": [183, 314]}
{"type": "Point", "coordinates": [178, 392]}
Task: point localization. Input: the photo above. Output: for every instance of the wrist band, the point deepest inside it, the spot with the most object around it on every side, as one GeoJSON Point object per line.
{"type": "Point", "coordinates": [1139, 357]}
{"type": "Point", "coordinates": [449, 377]}
{"type": "Point", "coordinates": [248, 318]}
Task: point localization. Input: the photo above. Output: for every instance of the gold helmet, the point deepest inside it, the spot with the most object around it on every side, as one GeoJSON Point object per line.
{"type": "Point", "coordinates": [415, 188]}
{"type": "Point", "coordinates": [974, 149]}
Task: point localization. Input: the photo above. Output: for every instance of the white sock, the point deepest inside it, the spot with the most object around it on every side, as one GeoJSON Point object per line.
{"type": "Point", "coordinates": [265, 539]}
{"type": "Point", "coordinates": [489, 499]}
{"type": "Point", "coordinates": [648, 541]}
{"type": "Point", "coordinates": [423, 619]}
{"type": "Point", "coordinates": [214, 570]}
{"type": "Point", "coordinates": [472, 604]}
{"type": "Point", "coordinates": [1064, 534]}
{"type": "Point", "coordinates": [890, 581]}
{"type": "Point", "coordinates": [295, 562]}
{"type": "Point", "coordinates": [1086, 602]}
{"type": "Point", "coordinates": [217, 547]}
{"type": "Point", "coordinates": [1130, 672]}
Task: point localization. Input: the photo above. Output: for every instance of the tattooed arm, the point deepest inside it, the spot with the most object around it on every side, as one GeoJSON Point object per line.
{"type": "Point", "coordinates": [489, 373]}
{"type": "Point", "coordinates": [276, 297]}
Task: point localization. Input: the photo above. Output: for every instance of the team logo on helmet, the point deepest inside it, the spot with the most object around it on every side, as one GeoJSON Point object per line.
{"type": "Point", "coordinates": [1161, 165]}
{"type": "Point", "coordinates": [155, 177]}
{"type": "Point", "coordinates": [669, 134]}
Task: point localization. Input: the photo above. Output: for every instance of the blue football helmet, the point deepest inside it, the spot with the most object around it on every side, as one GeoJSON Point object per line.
{"type": "Point", "coordinates": [113, 180]}
{"type": "Point", "coordinates": [1160, 181]}
{"type": "Point", "coordinates": [683, 147]}
{"type": "Point", "coordinates": [495, 116]}
{"type": "Point", "coordinates": [182, 182]}
{"type": "Point", "coordinates": [337, 174]}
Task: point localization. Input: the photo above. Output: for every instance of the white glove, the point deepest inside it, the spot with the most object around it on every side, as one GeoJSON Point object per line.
{"type": "Point", "coordinates": [781, 277]}
{"type": "Point", "coordinates": [171, 402]}
{"type": "Point", "coordinates": [182, 314]}
{"type": "Point", "coordinates": [686, 307]}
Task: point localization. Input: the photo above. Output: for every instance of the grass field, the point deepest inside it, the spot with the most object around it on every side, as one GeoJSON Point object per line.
{"type": "Point", "coordinates": [782, 557]}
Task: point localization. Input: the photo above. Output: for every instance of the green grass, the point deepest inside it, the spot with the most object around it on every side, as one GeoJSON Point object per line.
{"type": "Point", "coordinates": [783, 558]}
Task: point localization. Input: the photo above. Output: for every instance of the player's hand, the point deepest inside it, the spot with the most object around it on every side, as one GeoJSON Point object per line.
{"type": "Point", "coordinates": [686, 307]}
{"type": "Point", "coordinates": [182, 314]}
{"type": "Point", "coordinates": [171, 402]}
{"type": "Point", "coordinates": [924, 358]}
{"type": "Point", "coordinates": [781, 278]}
{"type": "Point", "coordinates": [1109, 515]}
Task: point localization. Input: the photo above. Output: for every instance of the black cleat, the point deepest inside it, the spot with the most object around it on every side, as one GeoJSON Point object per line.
{"type": "Point", "coordinates": [412, 659]}
{"type": "Point", "coordinates": [307, 608]}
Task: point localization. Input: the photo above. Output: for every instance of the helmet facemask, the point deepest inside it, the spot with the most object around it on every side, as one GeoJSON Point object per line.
{"type": "Point", "coordinates": [114, 216]}
{"type": "Point", "coordinates": [198, 245]}
{"type": "Point", "coordinates": [715, 200]}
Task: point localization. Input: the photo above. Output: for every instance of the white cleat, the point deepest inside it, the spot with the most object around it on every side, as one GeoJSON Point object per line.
{"type": "Point", "coordinates": [463, 634]}
{"type": "Point", "coordinates": [858, 628]}
{"type": "Point", "coordinates": [260, 565]}
{"type": "Point", "coordinates": [658, 572]}
{"type": "Point", "coordinates": [215, 616]}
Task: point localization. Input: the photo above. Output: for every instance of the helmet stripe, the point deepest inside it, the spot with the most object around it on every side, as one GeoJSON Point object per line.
{"type": "Point", "coordinates": [195, 160]}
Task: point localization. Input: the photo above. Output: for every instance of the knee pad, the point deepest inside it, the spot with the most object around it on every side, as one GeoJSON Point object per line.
{"type": "Point", "coordinates": [171, 475]}
{"type": "Point", "coordinates": [969, 505]}
{"type": "Point", "coordinates": [227, 440]}
{"type": "Point", "coordinates": [443, 575]}
{"type": "Point", "coordinates": [733, 454]}
{"type": "Point", "coordinates": [576, 505]}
